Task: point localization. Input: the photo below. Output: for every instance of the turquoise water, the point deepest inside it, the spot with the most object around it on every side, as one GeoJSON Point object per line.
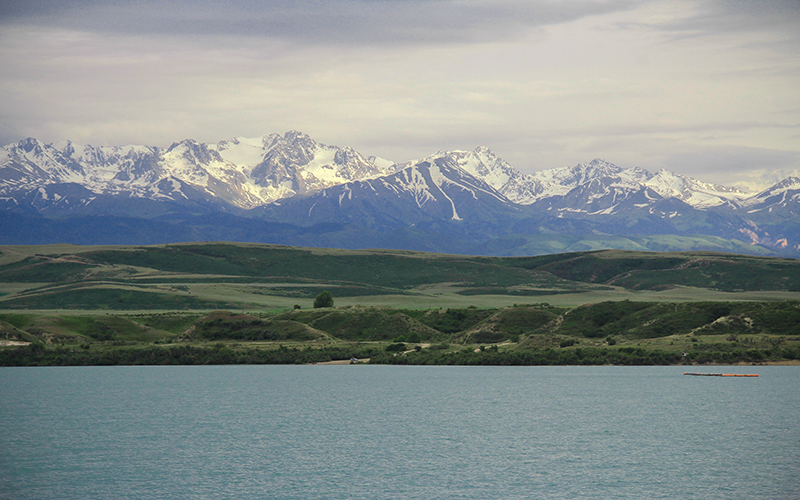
{"type": "Point", "coordinates": [315, 432]}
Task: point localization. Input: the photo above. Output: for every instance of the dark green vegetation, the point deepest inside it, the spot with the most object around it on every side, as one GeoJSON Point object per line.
{"type": "Point", "coordinates": [324, 299]}
{"type": "Point", "coordinates": [245, 303]}
{"type": "Point", "coordinates": [603, 333]}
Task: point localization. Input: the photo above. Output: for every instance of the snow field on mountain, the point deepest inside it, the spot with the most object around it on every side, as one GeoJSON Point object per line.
{"type": "Point", "coordinates": [294, 164]}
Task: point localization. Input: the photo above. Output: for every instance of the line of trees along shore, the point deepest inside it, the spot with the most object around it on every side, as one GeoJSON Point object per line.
{"type": "Point", "coordinates": [36, 355]}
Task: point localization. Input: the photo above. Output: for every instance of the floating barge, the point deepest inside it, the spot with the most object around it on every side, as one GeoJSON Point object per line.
{"type": "Point", "coordinates": [721, 374]}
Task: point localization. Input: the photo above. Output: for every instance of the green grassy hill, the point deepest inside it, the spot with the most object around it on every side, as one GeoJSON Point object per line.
{"type": "Point", "coordinates": [246, 303]}
{"type": "Point", "coordinates": [617, 332]}
{"type": "Point", "coordinates": [262, 277]}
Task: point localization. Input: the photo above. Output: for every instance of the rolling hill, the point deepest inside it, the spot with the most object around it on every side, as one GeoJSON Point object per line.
{"type": "Point", "coordinates": [247, 303]}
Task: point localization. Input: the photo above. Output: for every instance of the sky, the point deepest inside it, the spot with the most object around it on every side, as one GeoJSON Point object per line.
{"type": "Point", "coordinates": [705, 88]}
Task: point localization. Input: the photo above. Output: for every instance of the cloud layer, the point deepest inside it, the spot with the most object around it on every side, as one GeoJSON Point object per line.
{"type": "Point", "coordinates": [701, 87]}
{"type": "Point", "coordinates": [314, 22]}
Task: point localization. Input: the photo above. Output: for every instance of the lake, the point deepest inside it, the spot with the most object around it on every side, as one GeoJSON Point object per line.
{"type": "Point", "coordinates": [388, 432]}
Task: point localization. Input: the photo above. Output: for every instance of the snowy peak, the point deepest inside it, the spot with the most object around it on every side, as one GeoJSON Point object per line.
{"type": "Point", "coordinates": [603, 196]}
{"type": "Point", "coordinates": [618, 182]}
{"type": "Point", "coordinates": [562, 180]}
{"type": "Point", "coordinates": [444, 188]}
{"type": "Point", "coordinates": [196, 163]}
{"type": "Point", "coordinates": [203, 168]}
{"type": "Point", "coordinates": [484, 164]}
{"type": "Point", "coordinates": [446, 176]}
{"type": "Point", "coordinates": [785, 194]}
{"type": "Point", "coordinates": [31, 145]}
{"type": "Point", "coordinates": [292, 179]}
{"type": "Point", "coordinates": [596, 187]}
{"type": "Point", "coordinates": [586, 172]}
{"type": "Point", "coordinates": [296, 164]}
{"type": "Point", "coordinates": [294, 148]}
{"type": "Point", "coordinates": [425, 191]}
{"type": "Point", "coordinates": [696, 193]}
{"type": "Point", "coordinates": [243, 172]}
{"type": "Point", "coordinates": [251, 172]}
{"type": "Point", "coordinates": [786, 185]}
{"type": "Point", "coordinates": [243, 151]}
{"type": "Point", "coordinates": [42, 161]}
{"type": "Point", "coordinates": [193, 152]}
{"type": "Point", "coordinates": [93, 167]}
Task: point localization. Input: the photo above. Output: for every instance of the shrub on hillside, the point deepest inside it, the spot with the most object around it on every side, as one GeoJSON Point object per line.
{"type": "Point", "coordinates": [324, 299]}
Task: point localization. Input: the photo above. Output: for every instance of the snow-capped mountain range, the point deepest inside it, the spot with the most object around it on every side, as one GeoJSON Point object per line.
{"type": "Point", "coordinates": [292, 179]}
{"type": "Point", "coordinates": [242, 172]}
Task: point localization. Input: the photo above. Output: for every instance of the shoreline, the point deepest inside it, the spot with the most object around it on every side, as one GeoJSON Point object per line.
{"type": "Point", "coordinates": [365, 362]}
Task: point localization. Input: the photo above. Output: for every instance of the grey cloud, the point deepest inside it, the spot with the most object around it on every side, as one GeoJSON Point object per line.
{"type": "Point", "coordinates": [314, 21]}
{"type": "Point", "coordinates": [737, 16]}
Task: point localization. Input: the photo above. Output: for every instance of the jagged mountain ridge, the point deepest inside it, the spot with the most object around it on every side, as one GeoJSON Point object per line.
{"type": "Point", "coordinates": [484, 164]}
{"type": "Point", "coordinates": [243, 173]}
{"type": "Point", "coordinates": [251, 172]}
{"type": "Point", "coordinates": [424, 192]}
{"type": "Point", "coordinates": [292, 179]}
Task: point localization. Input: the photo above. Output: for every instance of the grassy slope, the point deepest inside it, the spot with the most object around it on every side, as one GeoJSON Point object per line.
{"type": "Point", "coordinates": [103, 299]}
{"type": "Point", "coordinates": [608, 332]}
{"type": "Point", "coordinates": [261, 277]}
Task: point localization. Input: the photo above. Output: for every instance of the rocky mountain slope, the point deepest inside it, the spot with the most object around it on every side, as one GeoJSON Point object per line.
{"type": "Point", "coordinates": [244, 173]}
{"type": "Point", "coordinates": [303, 189]}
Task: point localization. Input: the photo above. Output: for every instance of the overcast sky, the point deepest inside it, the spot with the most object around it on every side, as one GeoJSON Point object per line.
{"type": "Point", "coordinates": [701, 87]}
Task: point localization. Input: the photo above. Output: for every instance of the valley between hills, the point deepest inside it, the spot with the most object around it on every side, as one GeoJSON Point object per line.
{"type": "Point", "coordinates": [224, 303]}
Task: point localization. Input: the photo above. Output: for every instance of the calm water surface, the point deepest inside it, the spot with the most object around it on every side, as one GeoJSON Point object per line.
{"type": "Point", "coordinates": [315, 432]}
